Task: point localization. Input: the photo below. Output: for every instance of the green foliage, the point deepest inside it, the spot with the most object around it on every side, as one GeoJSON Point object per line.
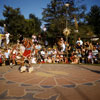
{"type": "Point", "coordinates": [93, 19]}
{"type": "Point", "coordinates": [36, 23]}
{"type": "Point", "coordinates": [58, 16]}
{"type": "Point", "coordinates": [16, 23]}
{"type": "Point", "coordinates": [2, 22]}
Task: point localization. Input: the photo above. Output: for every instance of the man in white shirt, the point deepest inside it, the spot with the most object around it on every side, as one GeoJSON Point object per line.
{"type": "Point", "coordinates": [95, 54]}
{"type": "Point", "coordinates": [95, 51]}
{"type": "Point", "coordinates": [7, 38]}
{"type": "Point", "coordinates": [79, 41]}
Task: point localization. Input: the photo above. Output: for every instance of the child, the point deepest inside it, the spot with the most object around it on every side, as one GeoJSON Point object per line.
{"type": "Point", "coordinates": [18, 58]}
{"type": "Point", "coordinates": [6, 56]}
{"type": "Point", "coordinates": [49, 60]}
{"type": "Point", "coordinates": [90, 56]}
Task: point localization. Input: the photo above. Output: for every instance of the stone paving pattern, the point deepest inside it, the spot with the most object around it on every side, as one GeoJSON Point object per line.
{"type": "Point", "coordinates": [51, 82]}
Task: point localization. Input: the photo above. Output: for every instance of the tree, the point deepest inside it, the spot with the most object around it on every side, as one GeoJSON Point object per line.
{"type": "Point", "coordinates": [14, 20]}
{"type": "Point", "coordinates": [2, 22]}
{"type": "Point", "coordinates": [36, 23]}
{"type": "Point", "coordinates": [56, 14]}
{"type": "Point", "coordinates": [93, 19]}
{"type": "Point", "coordinates": [53, 15]}
{"type": "Point", "coordinates": [17, 24]}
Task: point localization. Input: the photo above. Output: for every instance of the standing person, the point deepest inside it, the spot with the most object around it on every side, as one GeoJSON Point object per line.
{"type": "Point", "coordinates": [6, 56]}
{"type": "Point", "coordinates": [39, 38]}
{"type": "Point", "coordinates": [27, 56]}
{"type": "Point", "coordinates": [21, 38]}
{"type": "Point", "coordinates": [95, 54]}
{"type": "Point", "coordinates": [61, 44]}
{"type": "Point", "coordinates": [13, 54]}
{"type": "Point", "coordinates": [34, 38]}
{"type": "Point", "coordinates": [7, 35]}
{"type": "Point", "coordinates": [46, 43]}
{"type": "Point", "coordinates": [97, 46]}
{"type": "Point", "coordinates": [28, 47]}
{"type": "Point", "coordinates": [79, 41]}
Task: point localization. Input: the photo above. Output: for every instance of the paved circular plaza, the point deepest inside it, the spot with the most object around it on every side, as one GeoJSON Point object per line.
{"type": "Point", "coordinates": [50, 82]}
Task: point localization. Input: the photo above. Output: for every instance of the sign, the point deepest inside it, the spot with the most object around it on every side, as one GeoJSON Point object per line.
{"type": "Point", "coordinates": [66, 31]}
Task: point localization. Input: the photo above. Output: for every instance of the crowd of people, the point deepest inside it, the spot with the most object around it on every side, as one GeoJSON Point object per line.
{"type": "Point", "coordinates": [31, 51]}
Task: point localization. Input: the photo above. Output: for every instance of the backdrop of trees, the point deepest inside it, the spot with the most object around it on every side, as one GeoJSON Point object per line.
{"type": "Point", "coordinates": [56, 16]}
{"type": "Point", "coordinates": [17, 24]}
{"type": "Point", "coordinates": [87, 23]}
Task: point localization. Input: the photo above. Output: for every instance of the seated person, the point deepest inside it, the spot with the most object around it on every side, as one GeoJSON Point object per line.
{"type": "Point", "coordinates": [18, 58]}
{"type": "Point", "coordinates": [76, 60]}
{"type": "Point", "coordinates": [49, 60]}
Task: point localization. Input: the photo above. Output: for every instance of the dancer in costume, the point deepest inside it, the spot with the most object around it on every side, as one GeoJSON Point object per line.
{"type": "Point", "coordinates": [28, 47]}
{"type": "Point", "coordinates": [26, 56]}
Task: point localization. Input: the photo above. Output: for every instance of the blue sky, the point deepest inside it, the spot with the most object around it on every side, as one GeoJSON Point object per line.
{"type": "Point", "coordinates": [35, 6]}
{"type": "Point", "coordinates": [26, 6]}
